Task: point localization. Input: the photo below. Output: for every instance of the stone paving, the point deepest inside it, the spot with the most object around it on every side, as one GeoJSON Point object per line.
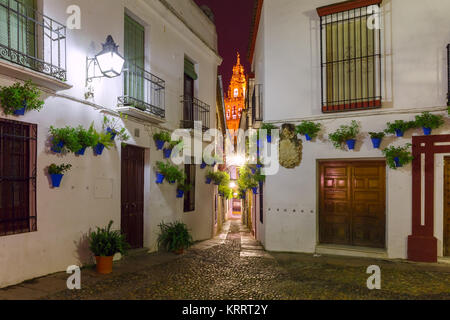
{"type": "Point", "coordinates": [235, 266]}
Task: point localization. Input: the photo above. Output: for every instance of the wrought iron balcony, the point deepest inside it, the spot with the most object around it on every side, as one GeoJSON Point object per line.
{"type": "Point", "coordinates": [143, 91]}
{"type": "Point", "coordinates": [32, 40]}
{"type": "Point", "coordinates": [257, 104]}
{"type": "Point", "coordinates": [195, 110]}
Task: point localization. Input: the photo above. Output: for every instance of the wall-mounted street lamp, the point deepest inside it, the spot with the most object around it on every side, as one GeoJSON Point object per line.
{"type": "Point", "coordinates": [108, 61]}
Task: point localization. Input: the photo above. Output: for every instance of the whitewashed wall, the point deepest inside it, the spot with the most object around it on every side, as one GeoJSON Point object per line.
{"type": "Point", "coordinates": [287, 62]}
{"type": "Point", "coordinates": [90, 192]}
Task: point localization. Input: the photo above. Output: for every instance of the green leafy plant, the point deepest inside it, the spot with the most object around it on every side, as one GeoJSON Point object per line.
{"type": "Point", "coordinates": [86, 138]}
{"type": "Point", "coordinates": [171, 172]}
{"type": "Point", "coordinates": [184, 187]}
{"type": "Point", "coordinates": [428, 120]}
{"type": "Point", "coordinates": [377, 135]}
{"type": "Point", "coordinates": [219, 177]}
{"type": "Point", "coordinates": [17, 96]}
{"type": "Point", "coordinates": [268, 127]}
{"type": "Point", "coordinates": [402, 153]}
{"type": "Point", "coordinates": [116, 128]}
{"type": "Point", "coordinates": [399, 125]}
{"type": "Point", "coordinates": [247, 179]}
{"type": "Point", "coordinates": [162, 136]}
{"type": "Point", "coordinates": [106, 243]}
{"type": "Point", "coordinates": [174, 236]}
{"type": "Point", "coordinates": [344, 133]}
{"type": "Point", "coordinates": [179, 143]}
{"type": "Point", "coordinates": [225, 191]}
{"type": "Point", "coordinates": [309, 128]}
{"type": "Point", "coordinates": [102, 138]}
{"type": "Point", "coordinates": [67, 135]}
{"type": "Point", "coordinates": [59, 169]}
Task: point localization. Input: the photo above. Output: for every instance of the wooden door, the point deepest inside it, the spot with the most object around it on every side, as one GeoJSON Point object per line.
{"type": "Point", "coordinates": [352, 203]}
{"type": "Point", "coordinates": [132, 217]}
{"type": "Point", "coordinates": [447, 207]}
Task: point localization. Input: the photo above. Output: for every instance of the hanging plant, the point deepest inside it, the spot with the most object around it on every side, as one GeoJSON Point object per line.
{"type": "Point", "coordinates": [308, 129]}
{"type": "Point", "coordinates": [65, 139]}
{"type": "Point", "coordinates": [209, 177]}
{"type": "Point", "coordinates": [86, 139]}
{"type": "Point", "coordinates": [161, 138]}
{"type": "Point", "coordinates": [18, 98]}
{"type": "Point", "coordinates": [268, 127]}
{"type": "Point", "coordinates": [57, 172]}
{"type": "Point", "coordinates": [170, 172]}
{"type": "Point", "coordinates": [114, 128]}
{"type": "Point", "coordinates": [347, 134]}
{"type": "Point", "coordinates": [225, 191]}
{"type": "Point", "coordinates": [172, 145]}
{"type": "Point", "coordinates": [428, 122]}
{"type": "Point", "coordinates": [376, 138]}
{"type": "Point", "coordinates": [182, 189]}
{"type": "Point", "coordinates": [397, 157]}
{"type": "Point", "coordinates": [102, 140]}
{"type": "Point", "coordinates": [399, 127]}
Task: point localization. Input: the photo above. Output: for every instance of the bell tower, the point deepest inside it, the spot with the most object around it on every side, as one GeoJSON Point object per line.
{"type": "Point", "coordinates": [235, 101]}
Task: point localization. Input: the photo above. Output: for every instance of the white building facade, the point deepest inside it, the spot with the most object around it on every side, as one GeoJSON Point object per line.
{"type": "Point", "coordinates": [350, 202]}
{"type": "Point", "coordinates": [170, 48]}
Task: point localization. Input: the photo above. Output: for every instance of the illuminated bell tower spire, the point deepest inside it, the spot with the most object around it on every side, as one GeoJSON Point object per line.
{"type": "Point", "coordinates": [235, 101]}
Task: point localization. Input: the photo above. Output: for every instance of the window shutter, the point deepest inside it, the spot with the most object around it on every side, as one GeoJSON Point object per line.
{"type": "Point", "coordinates": [189, 69]}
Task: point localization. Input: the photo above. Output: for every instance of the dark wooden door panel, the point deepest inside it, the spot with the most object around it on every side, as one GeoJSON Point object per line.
{"type": "Point", "coordinates": [447, 207]}
{"type": "Point", "coordinates": [352, 203]}
{"type": "Point", "coordinates": [132, 216]}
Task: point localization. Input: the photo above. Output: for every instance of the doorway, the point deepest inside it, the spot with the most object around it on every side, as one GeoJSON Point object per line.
{"type": "Point", "coordinates": [446, 239]}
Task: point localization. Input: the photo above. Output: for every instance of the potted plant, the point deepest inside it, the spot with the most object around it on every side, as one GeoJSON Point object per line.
{"type": "Point", "coordinates": [86, 139]}
{"type": "Point", "coordinates": [104, 244]}
{"type": "Point", "coordinates": [376, 138]}
{"type": "Point", "coordinates": [209, 177]}
{"type": "Point", "coordinates": [161, 138]}
{"type": "Point", "coordinates": [182, 189]}
{"type": "Point", "coordinates": [113, 127]}
{"type": "Point", "coordinates": [225, 191]}
{"type": "Point", "coordinates": [57, 173]}
{"type": "Point", "coordinates": [268, 127]}
{"type": "Point", "coordinates": [161, 169]}
{"type": "Point", "coordinates": [397, 157]}
{"type": "Point", "coordinates": [399, 127]}
{"type": "Point", "coordinates": [174, 237]}
{"type": "Point", "coordinates": [428, 122]}
{"type": "Point", "coordinates": [18, 98]}
{"type": "Point", "coordinates": [169, 172]}
{"type": "Point", "coordinates": [172, 145]}
{"type": "Point", "coordinates": [102, 140]}
{"type": "Point", "coordinates": [65, 139]}
{"type": "Point", "coordinates": [347, 134]}
{"type": "Point", "coordinates": [309, 129]}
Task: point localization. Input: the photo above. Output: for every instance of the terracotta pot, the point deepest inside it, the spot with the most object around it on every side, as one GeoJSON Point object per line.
{"type": "Point", "coordinates": [104, 264]}
{"type": "Point", "coordinates": [179, 251]}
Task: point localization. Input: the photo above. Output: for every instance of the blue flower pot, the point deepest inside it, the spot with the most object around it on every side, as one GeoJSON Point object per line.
{"type": "Point", "coordinates": [159, 178]}
{"type": "Point", "coordinates": [58, 147]}
{"type": "Point", "coordinates": [160, 144]}
{"type": "Point", "coordinates": [213, 164]}
{"type": "Point", "coordinates": [19, 112]}
{"type": "Point", "coordinates": [98, 149]}
{"type": "Point", "coordinates": [203, 165]}
{"type": "Point", "coordinates": [269, 139]}
{"type": "Point", "coordinates": [208, 180]}
{"type": "Point", "coordinates": [259, 166]}
{"type": "Point", "coordinates": [172, 182]}
{"type": "Point", "coordinates": [426, 131]}
{"type": "Point", "coordinates": [255, 190]}
{"type": "Point", "coordinates": [351, 144]}
{"type": "Point", "coordinates": [112, 133]}
{"type": "Point", "coordinates": [253, 170]}
{"type": "Point", "coordinates": [308, 138]}
{"type": "Point", "coordinates": [56, 180]}
{"type": "Point", "coordinates": [180, 193]}
{"type": "Point", "coordinates": [80, 152]}
{"type": "Point", "coordinates": [376, 142]}
{"type": "Point", "coordinates": [397, 162]}
{"type": "Point", "coordinates": [167, 153]}
{"type": "Point", "coordinates": [399, 133]}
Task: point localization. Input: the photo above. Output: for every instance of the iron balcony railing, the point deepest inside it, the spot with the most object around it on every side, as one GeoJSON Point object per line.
{"type": "Point", "coordinates": [195, 110]}
{"type": "Point", "coordinates": [32, 40]}
{"type": "Point", "coordinates": [257, 104]}
{"type": "Point", "coordinates": [143, 90]}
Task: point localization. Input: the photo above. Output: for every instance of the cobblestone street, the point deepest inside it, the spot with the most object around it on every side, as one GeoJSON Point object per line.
{"type": "Point", "coordinates": [234, 266]}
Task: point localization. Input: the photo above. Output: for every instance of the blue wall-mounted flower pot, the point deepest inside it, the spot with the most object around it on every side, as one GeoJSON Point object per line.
{"type": "Point", "coordinates": [159, 144]}
{"type": "Point", "coordinates": [203, 165]}
{"type": "Point", "coordinates": [167, 153]}
{"type": "Point", "coordinates": [80, 152]}
{"type": "Point", "coordinates": [397, 162]}
{"type": "Point", "coordinates": [376, 142]}
{"type": "Point", "coordinates": [208, 180]}
{"type": "Point", "coordinates": [255, 190]}
{"type": "Point", "coordinates": [98, 149]}
{"type": "Point", "coordinates": [308, 138]}
{"type": "Point", "coordinates": [253, 170]}
{"type": "Point", "coordinates": [56, 180]}
{"type": "Point", "coordinates": [172, 182]}
{"type": "Point", "coordinates": [180, 193]}
{"type": "Point", "coordinates": [58, 147]}
{"type": "Point", "coordinates": [19, 112]}
{"type": "Point", "coordinates": [159, 178]}
{"type": "Point", "coordinates": [426, 131]}
{"type": "Point", "coordinates": [399, 133]}
{"type": "Point", "coordinates": [112, 133]}
{"type": "Point", "coordinates": [259, 166]}
{"type": "Point", "coordinates": [351, 144]}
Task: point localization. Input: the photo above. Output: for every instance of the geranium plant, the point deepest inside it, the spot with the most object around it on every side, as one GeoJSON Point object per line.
{"type": "Point", "coordinates": [399, 127]}
{"type": "Point", "coordinates": [65, 139]}
{"type": "Point", "coordinates": [345, 133]}
{"type": "Point", "coordinates": [429, 121]}
{"type": "Point", "coordinates": [309, 129]}
{"type": "Point", "coordinates": [18, 98]}
{"type": "Point", "coordinates": [398, 156]}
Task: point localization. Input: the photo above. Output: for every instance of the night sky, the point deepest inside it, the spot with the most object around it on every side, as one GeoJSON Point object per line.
{"type": "Point", "coordinates": [233, 20]}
